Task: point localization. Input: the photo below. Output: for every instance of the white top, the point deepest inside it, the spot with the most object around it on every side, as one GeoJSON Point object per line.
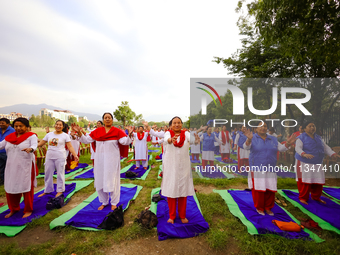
{"type": "Point", "coordinates": [195, 148]}
{"type": "Point", "coordinates": [241, 153]}
{"type": "Point", "coordinates": [141, 147]}
{"type": "Point", "coordinates": [225, 148]}
{"type": "Point", "coordinates": [56, 145]}
{"type": "Point", "coordinates": [19, 165]}
{"type": "Point", "coordinates": [177, 178]}
{"type": "Point", "coordinates": [107, 163]}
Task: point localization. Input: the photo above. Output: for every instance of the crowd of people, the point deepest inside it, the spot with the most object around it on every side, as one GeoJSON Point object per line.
{"type": "Point", "coordinates": [255, 150]}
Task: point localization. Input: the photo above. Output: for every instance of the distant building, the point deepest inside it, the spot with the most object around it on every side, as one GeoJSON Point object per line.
{"type": "Point", "coordinates": [83, 118]}
{"type": "Point", "coordinates": [63, 115]}
{"type": "Point", "coordinates": [12, 116]}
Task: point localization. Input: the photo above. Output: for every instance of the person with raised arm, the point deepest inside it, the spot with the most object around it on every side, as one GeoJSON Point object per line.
{"type": "Point", "coordinates": [310, 151]}
{"type": "Point", "coordinates": [141, 147]}
{"type": "Point", "coordinates": [56, 157]}
{"type": "Point", "coordinates": [111, 143]}
{"type": "Point", "coordinates": [20, 174]}
{"type": "Point", "coordinates": [242, 154]}
{"type": "Point", "coordinates": [262, 158]}
{"type": "Point", "coordinates": [226, 139]}
{"type": "Point", "coordinates": [177, 181]}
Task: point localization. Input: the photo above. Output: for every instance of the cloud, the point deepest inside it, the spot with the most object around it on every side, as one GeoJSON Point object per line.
{"type": "Point", "coordinates": [91, 55]}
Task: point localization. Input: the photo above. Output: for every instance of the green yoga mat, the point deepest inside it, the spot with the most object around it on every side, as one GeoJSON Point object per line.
{"type": "Point", "coordinates": [235, 210]}
{"type": "Point", "coordinates": [67, 175]}
{"type": "Point", "coordinates": [159, 171]}
{"type": "Point", "coordinates": [323, 224]}
{"type": "Point", "coordinates": [60, 221]}
{"type": "Point", "coordinates": [11, 231]}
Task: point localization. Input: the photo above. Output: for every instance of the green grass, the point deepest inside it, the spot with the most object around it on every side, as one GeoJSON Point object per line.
{"type": "Point", "coordinates": [226, 234]}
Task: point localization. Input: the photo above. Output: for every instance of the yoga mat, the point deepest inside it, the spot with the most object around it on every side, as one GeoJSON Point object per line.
{"type": "Point", "coordinates": [86, 215]}
{"type": "Point", "coordinates": [153, 150]}
{"type": "Point", "coordinates": [220, 160]}
{"type": "Point", "coordinates": [195, 161]}
{"type": "Point", "coordinates": [326, 215]}
{"type": "Point", "coordinates": [159, 171]}
{"type": "Point", "coordinates": [241, 205]}
{"type": "Point", "coordinates": [86, 175]}
{"type": "Point", "coordinates": [333, 192]}
{"type": "Point", "coordinates": [142, 173]}
{"type": "Point", "coordinates": [15, 224]}
{"type": "Point", "coordinates": [194, 227]}
{"type": "Point", "coordinates": [79, 168]}
{"type": "Point", "coordinates": [214, 175]}
{"type": "Point", "coordinates": [160, 157]}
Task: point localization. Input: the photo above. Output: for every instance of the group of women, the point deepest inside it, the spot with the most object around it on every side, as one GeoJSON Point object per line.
{"type": "Point", "coordinates": [109, 143]}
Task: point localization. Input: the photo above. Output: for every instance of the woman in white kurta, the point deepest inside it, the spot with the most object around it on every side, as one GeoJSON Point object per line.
{"type": "Point", "coordinates": [310, 151]}
{"type": "Point", "coordinates": [107, 159]}
{"type": "Point", "coordinates": [177, 181]}
{"type": "Point", "coordinates": [226, 139]}
{"type": "Point", "coordinates": [56, 157]}
{"type": "Point", "coordinates": [20, 174]}
{"type": "Point", "coordinates": [242, 154]}
{"type": "Point", "coordinates": [141, 147]}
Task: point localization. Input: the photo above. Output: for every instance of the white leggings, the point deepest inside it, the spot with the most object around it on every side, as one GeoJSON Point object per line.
{"type": "Point", "coordinates": [105, 196]}
{"type": "Point", "coordinates": [50, 166]}
{"type": "Point", "coordinates": [145, 163]}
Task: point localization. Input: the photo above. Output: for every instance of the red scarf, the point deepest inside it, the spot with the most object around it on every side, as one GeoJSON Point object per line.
{"type": "Point", "coordinates": [114, 133]}
{"type": "Point", "coordinates": [140, 136]}
{"type": "Point", "coordinates": [224, 136]}
{"type": "Point", "coordinates": [181, 138]}
{"type": "Point", "coordinates": [12, 138]}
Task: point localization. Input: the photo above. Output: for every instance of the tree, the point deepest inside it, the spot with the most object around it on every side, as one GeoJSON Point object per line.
{"type": "Point", "coordinates": [71, 120]}
{"type": "Point", "coordinates": [291, 39]}
{"type": "Point", "coordinates": [125, 115]}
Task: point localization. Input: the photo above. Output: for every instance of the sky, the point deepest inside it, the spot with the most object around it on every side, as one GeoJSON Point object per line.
{"type": "Point", "coordinates": [89, 56]}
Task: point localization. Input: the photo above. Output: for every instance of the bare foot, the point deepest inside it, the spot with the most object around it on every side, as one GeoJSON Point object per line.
{"type": "Point", "coordinates": [113, 207]}
{"type": "Point", "coordinates": [58, 194]}
{"type": "Point", "coordinates": [9, 215]}
{"type": "Point", "coordinates": [136, 167]}
{"type": "Point", "coordinates": [27, 214]}
{"type": "Point", "coordinates": [171, 221]}
{"type": "Point", "coordinates": [43, 194]}
{"type": "Point", "coordinates": [304, 202]}
{"type": "Point", "coordinates": [260, 212]}
{"type": "Point", "coordinates": [145, 168]}
{"type": "Point", "coordinates": [269, 212]}
{"type": "Point", "coordinates": [101, 207]}
{"type": "Point", "coordinates": [185, 220]}
{"type": "Point", "coordinates": [321, 201]}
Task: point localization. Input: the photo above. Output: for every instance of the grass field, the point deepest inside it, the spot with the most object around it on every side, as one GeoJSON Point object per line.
{"type": "Point", "coordinates": [227, 235]}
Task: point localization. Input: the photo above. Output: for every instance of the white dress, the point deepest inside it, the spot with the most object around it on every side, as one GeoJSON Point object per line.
{"type": "Point", "coordinates": [141, 147]}
{"type": "Point", "coordinates": [242, 153]}
{"type": "Point", "coordinates": [177, 178]}
{"type": "Point", "coordinates": [195, 148]}
{"type": "Point", "coordinates": [225, 148]}
{"type": "Point", "coordinates": [19, 165]}
{"type": "Point", "coordinates": [107, 163]}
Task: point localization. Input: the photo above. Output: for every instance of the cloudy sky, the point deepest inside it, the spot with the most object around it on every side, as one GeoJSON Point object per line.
{"type": "Point", "coordinates": [88, 56]}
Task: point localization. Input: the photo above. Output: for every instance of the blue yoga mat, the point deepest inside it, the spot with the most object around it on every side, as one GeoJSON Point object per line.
{"type": "Point", "coordinates": [264, 224]}
{"type": "Point", "coordinates": [334, 192]}
{"type": "Point", "coordinates": [91, 217]}
{"type": "Point", "coordinates": [220, 160]}
{"type": "Point", "coordinates": [329, 212]}
{"type": "Point", "coordinates": [194, 161]}
{"type": "Point", "coordinates": [140, 171]}
{"type": "Point", "coordinates": [87, 175]}
{"type": "Point", "coordinates": [194, 227]}
{"type": "Point", "coordinates": [153, 150]}
{"type": "Point", "coordinates": [80, 165]}
{"type": "Point", "coordinates": [39, 208]}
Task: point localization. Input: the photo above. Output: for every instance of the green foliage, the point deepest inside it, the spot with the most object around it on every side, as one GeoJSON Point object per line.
{"type": "Point", "coordinates": [72, 120]}
{"type": "Point", "coordinates": [42, 121]}
{"type": "Point", "coordinates": [125, 115]}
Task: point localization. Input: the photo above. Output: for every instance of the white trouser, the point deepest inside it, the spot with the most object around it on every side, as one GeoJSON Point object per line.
{"type": "Point", "coordinates": [50, 166]}
{"type": "Point", "coordinates": [105, 196]}
{"type": "Point", "coordinates": [145, 163]}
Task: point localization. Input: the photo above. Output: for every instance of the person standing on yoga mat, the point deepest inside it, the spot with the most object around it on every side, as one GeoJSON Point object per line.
{"type": "Point", "coordinates": [5, 130]}
{"type": "Point", "coordinates": [141, 147]}
{"type": "Point", "coordinates": [111, 143]}
{"type": "Point", "coordinates": [195, 145]}
{"type": "Point", "coordinates": [226, 138]}
{"type": "Point", "coordinates": [217, 145]}
{"type": "Point", "coordinates": [177, 181]}
{"type": "Point", "coordinates": [310, 151]}
{"type": "Point", "coordinates": [58, 141]}
{"type": "Point", "coordinates": [208, 140]}
{"type": "Point", "coordinates": [242, 154]}
{"type": "Point", "coordinates": [262, 180]}
{"type": "Point", "coordinates": [20, 171]}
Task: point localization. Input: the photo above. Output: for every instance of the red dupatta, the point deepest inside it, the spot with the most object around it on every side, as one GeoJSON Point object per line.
{"type": "Point", "coordinates": [114, 133]}
{"type": "Point", "coordinates": [140, 136]}
{"type": "Point", "coordinates": [12, 138]}
{"type": "Point", "coordinates": [224, 140]}
{"type": "Point", "coordinates": [181, 138]}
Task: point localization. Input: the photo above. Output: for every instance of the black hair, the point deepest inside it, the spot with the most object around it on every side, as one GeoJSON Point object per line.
{"type": "Point", "coordinates": [22, 120]}
{"type": "Point", "coordinates": [107, 113]}
{"type": "Point", "coordinates": [170, 122]}
{"type": "Point", "coordinates": [5, 120]}
{"type": "Point", "coordinates": [101, 121]}
{"type": "Point", "coordinates": [272, 129]}
{"type": "Point", "coordinates": [140, 127]}
{"type": "Point", "coordinates": [61, 122]}
{"type": "Point", "coordinates": [65, 128]}
{"type": "Point", "coordinates": [306, 123]}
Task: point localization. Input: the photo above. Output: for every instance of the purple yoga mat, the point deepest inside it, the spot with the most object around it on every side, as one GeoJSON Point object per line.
{"type": "Point", "coordinates": [39, 208]}
{"type": "Point", "coordinates": [140, 171]}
